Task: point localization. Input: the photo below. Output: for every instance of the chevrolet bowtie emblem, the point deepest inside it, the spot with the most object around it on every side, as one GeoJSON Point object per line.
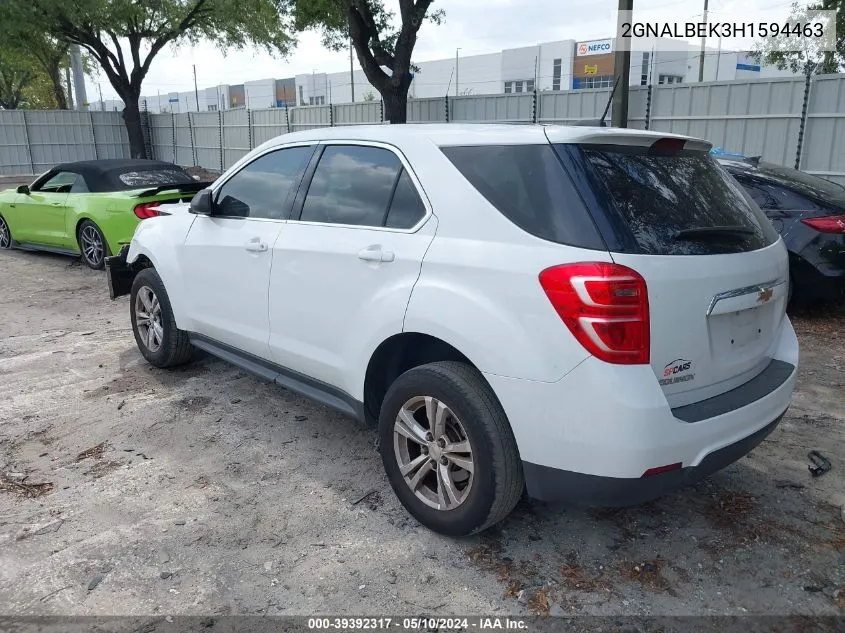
{"type": "Point", "coordinates": [765, 295]}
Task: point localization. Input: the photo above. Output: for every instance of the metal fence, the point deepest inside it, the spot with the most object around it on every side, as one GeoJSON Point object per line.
{"type": "Point", "coordinates": [788, 121]}
{"type": "Point", "coordinates": [32, 141]}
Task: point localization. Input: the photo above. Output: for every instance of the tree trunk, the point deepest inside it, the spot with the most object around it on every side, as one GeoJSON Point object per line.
{"type": "Point", "coordinates": [55, 74]}
{"type": "Point", "coordinates": [132, 120]}
{"type": "Point", "coordinates": [396, 104]}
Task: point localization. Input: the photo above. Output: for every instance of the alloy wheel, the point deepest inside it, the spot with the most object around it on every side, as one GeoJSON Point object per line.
{"type": "Point", "coordinates": [92, 245]}
{"type": "Point", "coordinates": [5, 236]}
{"type": "Point", "coordinates": [433, 452]}
{"type": "Point", "coordinates": [148, 318]}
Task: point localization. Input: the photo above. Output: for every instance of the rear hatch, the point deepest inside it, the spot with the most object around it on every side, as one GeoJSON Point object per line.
{"type": "Point", "coordinates": [715, 270]}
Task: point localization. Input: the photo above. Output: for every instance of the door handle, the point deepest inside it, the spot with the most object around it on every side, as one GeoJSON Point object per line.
{"type": "Point", "coordinates": [375, 254]}
{"type": "Point", "coordinates": [255, 245]}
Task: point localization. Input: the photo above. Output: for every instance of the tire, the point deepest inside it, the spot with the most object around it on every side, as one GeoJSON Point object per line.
{"type": "Point", "coordinates": [169, 345]}
{"type": "Point", "coordinates": [5, 234]}
{"type": "Point", "coordinates": [92, 245]}
{"type": "Point", "coordinates": [472, 414]}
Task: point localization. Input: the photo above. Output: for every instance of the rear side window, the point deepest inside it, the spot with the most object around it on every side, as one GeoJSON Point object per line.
{"type": "Point", "coordinates": [352, 184]}
{"type": "Point", "coordinates": [528, 185]}
{"type": "Point", "coordinates": [674, 203]}
{"type": "Point", "coordinates": [406, 208]}
{"type": "Point", "coordinates": [154, 178]}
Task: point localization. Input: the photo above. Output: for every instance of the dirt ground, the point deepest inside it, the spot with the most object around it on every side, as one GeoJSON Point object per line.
{"type": "Point", "coordinates": [130, 490]}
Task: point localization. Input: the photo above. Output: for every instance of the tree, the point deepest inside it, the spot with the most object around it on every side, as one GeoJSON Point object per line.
{"type": "Point", "coordinates": [124, 36]}
{"type": "Point", "coordinates": [383, 51]}
{"type": "Point", "coordinates": [810, 61]}
{"type": "Point", "coordinates": [23, 82]}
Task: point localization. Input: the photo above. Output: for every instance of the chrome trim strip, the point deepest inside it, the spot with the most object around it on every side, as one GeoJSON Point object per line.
{"type": "Point", "coordinates": [739, 292]}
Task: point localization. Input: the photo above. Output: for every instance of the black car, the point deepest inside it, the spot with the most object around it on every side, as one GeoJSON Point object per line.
{"type": "Point", "coordinates": [809, 213]}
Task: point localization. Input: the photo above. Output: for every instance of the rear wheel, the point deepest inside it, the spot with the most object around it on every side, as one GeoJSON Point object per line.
{"type": "Point", "coordinates": [92, 244]}
{"type": "Point", "coordinates": [5, 234]}
{"type": "Point", "coordinates": [158, 338]}
{"type": "Point", "coordinates": [448, 449]}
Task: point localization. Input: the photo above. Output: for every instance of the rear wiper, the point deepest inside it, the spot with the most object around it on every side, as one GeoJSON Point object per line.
{"type": "Point", "coordinates": [706, 232]}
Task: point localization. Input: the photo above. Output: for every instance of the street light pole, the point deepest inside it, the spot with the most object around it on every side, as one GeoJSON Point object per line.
{"type": "Point", "coordinates": [701, 56]}
{"type": "Point", "coordinates": [456, 72]}
{"type": "Point", "coordinates": [621, 70]}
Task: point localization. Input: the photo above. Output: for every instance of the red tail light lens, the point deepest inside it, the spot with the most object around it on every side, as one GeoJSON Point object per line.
{"type": "Point", "coordinates": [605, 306]}
{"type": "Point", "coordinates": [147, 210]}
{"type": "Point", "coordinates": [827, 224]}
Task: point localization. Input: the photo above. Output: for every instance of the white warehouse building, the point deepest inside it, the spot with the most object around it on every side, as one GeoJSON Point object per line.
{"type": "Point", "coordinates": [562, 65]}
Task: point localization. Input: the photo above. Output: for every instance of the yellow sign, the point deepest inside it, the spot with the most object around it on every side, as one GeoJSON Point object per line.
{"type": "Point", "coordinates": [591, 70]}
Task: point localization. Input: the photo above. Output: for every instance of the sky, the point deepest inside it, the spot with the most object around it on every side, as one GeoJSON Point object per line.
{"type": "Point", "coordinates": [477, 26]}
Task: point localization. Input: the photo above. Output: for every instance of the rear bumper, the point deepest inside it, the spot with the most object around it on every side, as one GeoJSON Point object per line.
{"type": "Point", "coordinates": [590, 437]}
{"type": "Point", "coordinates": [555, 485]}
{"type": "Point", "coordinates": [119, 274]}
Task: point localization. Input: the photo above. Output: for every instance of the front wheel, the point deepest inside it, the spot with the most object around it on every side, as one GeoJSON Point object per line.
{"type": "Point", "coordinates": [448, 449]}
{"type": "Point", "coordinates": [158, 338]}
{"type": "Point", "coordinates": [5, 234]}
{"type": "Point", "coordinates": [92, 244]}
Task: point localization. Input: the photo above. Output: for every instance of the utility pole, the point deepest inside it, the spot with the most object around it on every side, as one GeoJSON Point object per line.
{"type": "Point", "coordinates": [100, 90]}
{"type": "Point", "coordinates": [78, 77]}
{"type": "Point", "coordinates": [196, 90]}
{"type": "Point", "coordinates": [69, 88]}
{"type": "Point", "coordinates": [456, 72]}
{"type": "Point", "coordinates": [351, 71]}
{"type": "Point", "coordinates": [701, 56]}
{"type": "Point", "coordinates": [621, 69]}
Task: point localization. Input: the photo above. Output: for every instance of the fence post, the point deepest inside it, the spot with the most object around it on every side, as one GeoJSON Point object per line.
{"type": "Point", "coordinates": [535, 107]}
{"type": "Point", "coordinates": [191, 133]}
{"type": "Point", "coordinates": [287, 116]}
{"type": "Point", "coordinates": [93, 134]}
{"type": "Point", "coordinates": [648, 107]}
{"type": "Point", "coordinates": [805, 108]}
{"type": "Point", "coordinates": [173, 134]}
{"type": "Point", "coordinates": [381, 108]}
{"type": "Point", "coordinates": [250, 140]}
{"type": "Point", "coordinates": [331, 115]}
{"type": "Point", "coordinates": [220, 136]}
{"type": "Point", "coordinates": [446, 102]}
{"type": "Point", "coordinates": [28, 144]}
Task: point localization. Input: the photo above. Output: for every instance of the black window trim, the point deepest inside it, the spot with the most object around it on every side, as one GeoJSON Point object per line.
{"type": "Point", "coordinates": [48, 176]}
{"type": "Point", "coordinates": [305, 185]}
{"type": "Point", "coordinates": [243, 164]}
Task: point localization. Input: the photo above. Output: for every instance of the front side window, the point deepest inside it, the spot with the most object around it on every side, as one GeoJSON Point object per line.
{"type": "Point", "coordinates": [261, 189]}
{"type": "Point", "coordinates": [352, 184]}
{"type": "Point", "coordinates": [61, 182]}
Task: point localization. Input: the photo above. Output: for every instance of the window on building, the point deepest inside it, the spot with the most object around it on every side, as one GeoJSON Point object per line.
{"type": "Point", "coordinates": [508, 86]}
{"type": "Point", "coordinates": [670, 79]}
{"type": "Point", "coordinates": [644, 70]}
{"type": "Point", "coordinates": [212, 107]}
{"type": "Point", "coordinates": [316, 101]}
{"type": "Point", "coordinates": [556, 73]}
{"type": "Point", "coordinates": [593, 81]}
{"type": "Point", "coordinates": [520, 85]}
{"type": "Point", "coordinates": [301, 96]}
{"type": "Point", "coordinates": [529, 85]}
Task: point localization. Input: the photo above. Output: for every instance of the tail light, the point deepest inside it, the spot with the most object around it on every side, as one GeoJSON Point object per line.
{"type": "Point", "coordinates": [827, 224]}
{"type": "Point", "coordinates": [147, 210]}
{"type": "Point", "coordinates": [605, 306]}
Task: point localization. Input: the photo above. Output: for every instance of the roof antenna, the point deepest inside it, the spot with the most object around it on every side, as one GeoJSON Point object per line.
{"type": "Point", "coordinates": [609, 101]}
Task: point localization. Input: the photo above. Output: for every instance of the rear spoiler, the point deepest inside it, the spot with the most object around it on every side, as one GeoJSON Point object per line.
{"type": "Point", "coordinates": [187, 187]}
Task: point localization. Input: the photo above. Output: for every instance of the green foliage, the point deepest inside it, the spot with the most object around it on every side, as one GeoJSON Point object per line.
{"type": "Point", "coordinates": [24, 81]}
{"type": "Point", "coordinates": [810, 61]}
{"type": "Point", "coordinates": [384, 40]}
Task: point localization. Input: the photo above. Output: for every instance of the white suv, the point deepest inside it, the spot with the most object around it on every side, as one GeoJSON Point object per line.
{"type": "Point", "coordinates": [594, 314]}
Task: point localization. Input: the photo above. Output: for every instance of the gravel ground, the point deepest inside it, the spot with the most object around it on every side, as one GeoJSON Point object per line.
{"type": "Point", "coordinates": [130, 490]}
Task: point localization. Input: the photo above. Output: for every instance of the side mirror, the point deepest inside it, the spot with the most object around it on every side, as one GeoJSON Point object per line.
{"type": "Point", "coordinates": [23, 189]}
{"type": "Point", "coordinates": [203, 202]}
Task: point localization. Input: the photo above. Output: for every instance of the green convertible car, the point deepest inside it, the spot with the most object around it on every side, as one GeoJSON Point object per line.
{"type": "Point", "coordinates": [90, 207]}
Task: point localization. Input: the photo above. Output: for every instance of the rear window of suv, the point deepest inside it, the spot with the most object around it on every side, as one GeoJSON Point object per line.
{"type": "Point", "coordinates": [671, 202]}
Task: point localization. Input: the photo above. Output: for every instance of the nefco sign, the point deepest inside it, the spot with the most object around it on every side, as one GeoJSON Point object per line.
{"type": "Point", "coordinates": [595, 47]}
